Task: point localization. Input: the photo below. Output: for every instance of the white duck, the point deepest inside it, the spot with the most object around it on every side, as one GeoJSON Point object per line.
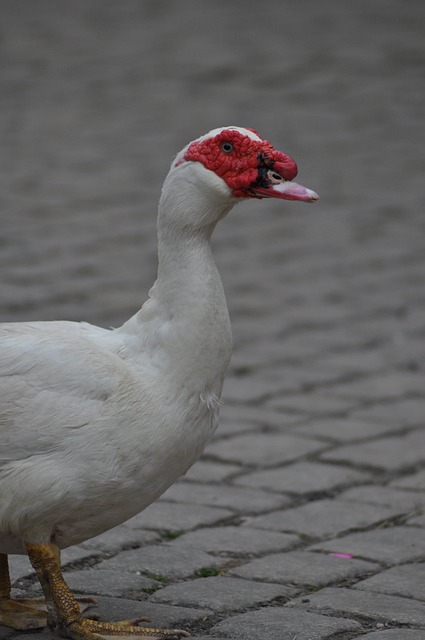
{"type": "Point", "coordinates": [95, 424]}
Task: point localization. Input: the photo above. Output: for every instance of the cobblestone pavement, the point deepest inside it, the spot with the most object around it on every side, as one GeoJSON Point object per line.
{"type": "Point", "coordinates": [304, 520]}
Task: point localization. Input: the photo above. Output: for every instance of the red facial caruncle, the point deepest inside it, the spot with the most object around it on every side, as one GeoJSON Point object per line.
{"type": "Point", "coordinates": [251, 167]}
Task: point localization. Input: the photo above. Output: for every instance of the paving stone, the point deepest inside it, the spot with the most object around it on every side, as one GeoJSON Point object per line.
{"type": "Point", "coordinates": [253, 417]}
{"type": "Point", "coordinates": [236, 498]}
{"type": "Point", "coordinates": [401, 501]}
{"type": "Point", "coordinates": [412, 481]}
{"type": "Point", "coordinates": [302, 477]}
{"type": "Point", "coordinates": [254, 388]}
{"type": "Point", "coordinates": [259, 449]}
{"type": "Point", "coordinates": [236, 540]}
{"type": "Point", "coordinates": [355, 363]}
{"type": "Point", "coordinates": [303, 377]}
{"type": "Point", "coordinates": [161, 560]}
{"type": "Point", "coordinates": [375, 606]}
{"type": "Point", "coordinates": [406, 580]}
{"type": "Point", "coordinates": [403, 413]}
{"type": "Point", "coordinates": [168, 516]}
{"type": "Point", "coordinates": [221, 593]}
{"type": "Point", "coordinates": [205, 471]}
{"type": "Point", "coordinates": [263, 351]}
{"type": "Point", "coordinates": [280, 623]}
{"type": "Point", "coordinates": [344, 429]}
{"type": "Point", "coordinates": [119, 537]}
{"type": "Point", "coordinates": [323, 518]}
{"type": "Point", "coordinates": [389, 546]}
{"type": "Point", "coordinates": [302, 568]}
{"type": "Point", "coordinates": [394, 634]}
{"type": "Point", "coordinates": [386, 453]}
{"type": "Point", "coordinates": [113, 583]}
{"type": "Point", "coordinates": [313, 404]}
{"type": "Point", "coordinates": [386, 386]}
{"type": "Point", "coordinates": [232, 428]}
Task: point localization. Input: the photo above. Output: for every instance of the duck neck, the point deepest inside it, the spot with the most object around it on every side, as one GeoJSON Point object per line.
{"type": "Point", "coordinates": [187, 216]}
{"type": "Point", "coordinates": [185, 323]}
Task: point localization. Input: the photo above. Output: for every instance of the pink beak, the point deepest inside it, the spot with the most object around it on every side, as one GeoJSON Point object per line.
{"type": "Point", "coordinates": [286, 191]}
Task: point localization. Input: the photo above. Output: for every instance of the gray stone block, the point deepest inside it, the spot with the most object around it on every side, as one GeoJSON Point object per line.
{"type": "Point", "coordinates": [352, 363]}
{"type": "Point", "coordinates": [323, 518]}
{"type": "Point", "coordinates": [383, 386]}
{"type": "Point", "coordinates": [168, 516]}
{"type": "Point", "coordinates": [258, 449]}
{"type": "Point", "coordinates": [313, 404]}
{"type": "Point", "coordinates": [408, 412]}
{"type": "Point", "coordinates": [118, 537]}
{"type": "Point", "coordinates": [376, 606]}
{"type": "Point", "coordinates": [220, 593]}
{"type": "Point", "coordinates": [303, 568]}
{"type": "Point", "coordinates": [236, 540]}
{"type": "Point", "coordinates": [386, 453]}
{"type": "Point", "coordinates": [161, 560]}
{"type": "Point", "coordinates": [256, 387]}
{"type": "Point", "coordinates": [281, 623]}
{"type": "Point", "coordinates": [394, 545]}
{"type": "Point", "coordinates": [112, 583]}
{"type": "Point", "coordinates": [400, 501]}
{"type": "Point", "coordinates": [344, 429]}
{"type": "Point", "coordinates": [235, 498]}
{"type": "Point", "coordinates": [302, 477]}
{"type": "Point", "coordinates": [252, 417]}
{"type": "Point", "coordinates": [205, 471]}
{"type": "Point", "coordinates": [406, 580]}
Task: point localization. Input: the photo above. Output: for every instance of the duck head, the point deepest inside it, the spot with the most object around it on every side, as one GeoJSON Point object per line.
{"type": "Point", "coordinates": [249, 166]}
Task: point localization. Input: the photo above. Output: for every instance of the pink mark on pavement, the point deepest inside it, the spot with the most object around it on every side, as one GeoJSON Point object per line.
{"type": "Point", "coordinates": [347, 556]}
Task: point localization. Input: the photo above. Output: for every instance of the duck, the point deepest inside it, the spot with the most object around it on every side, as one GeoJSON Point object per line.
{"type": "Point", "coordinates": [95, 423]}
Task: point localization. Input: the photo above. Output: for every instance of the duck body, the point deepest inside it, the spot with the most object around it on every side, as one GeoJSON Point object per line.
{"type": "Point", "coordinates": [96, 424]}
{"type": "Point", "coordinates": [121, 441]}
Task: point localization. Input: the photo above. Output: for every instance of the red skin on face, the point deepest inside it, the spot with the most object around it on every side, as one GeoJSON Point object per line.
{"type": "Point", "coordinates": [238, 165]}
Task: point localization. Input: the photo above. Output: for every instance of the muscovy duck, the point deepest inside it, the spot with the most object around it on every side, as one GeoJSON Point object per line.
{"type": "Point", "coordinates": [96, 424]}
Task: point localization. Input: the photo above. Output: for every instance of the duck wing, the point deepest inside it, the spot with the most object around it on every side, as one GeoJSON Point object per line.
{"type": "Point", "coordinates": [54, 377]}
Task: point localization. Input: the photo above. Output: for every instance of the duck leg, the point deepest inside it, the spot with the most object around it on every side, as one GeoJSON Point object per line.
{"type": "Point", "coordinates": [21, 614]}
{"type": "Point", "coordinates": [63, 610]}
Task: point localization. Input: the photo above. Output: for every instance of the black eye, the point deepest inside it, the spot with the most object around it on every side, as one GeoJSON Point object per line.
{"type": "Point", "coordinates": [227, 147]}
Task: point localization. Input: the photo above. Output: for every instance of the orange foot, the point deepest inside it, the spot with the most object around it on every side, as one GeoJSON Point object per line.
{"type": "Point", "coordinates": [84, 629]}
{"type": "Point", "coordinates": [63, 610]}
